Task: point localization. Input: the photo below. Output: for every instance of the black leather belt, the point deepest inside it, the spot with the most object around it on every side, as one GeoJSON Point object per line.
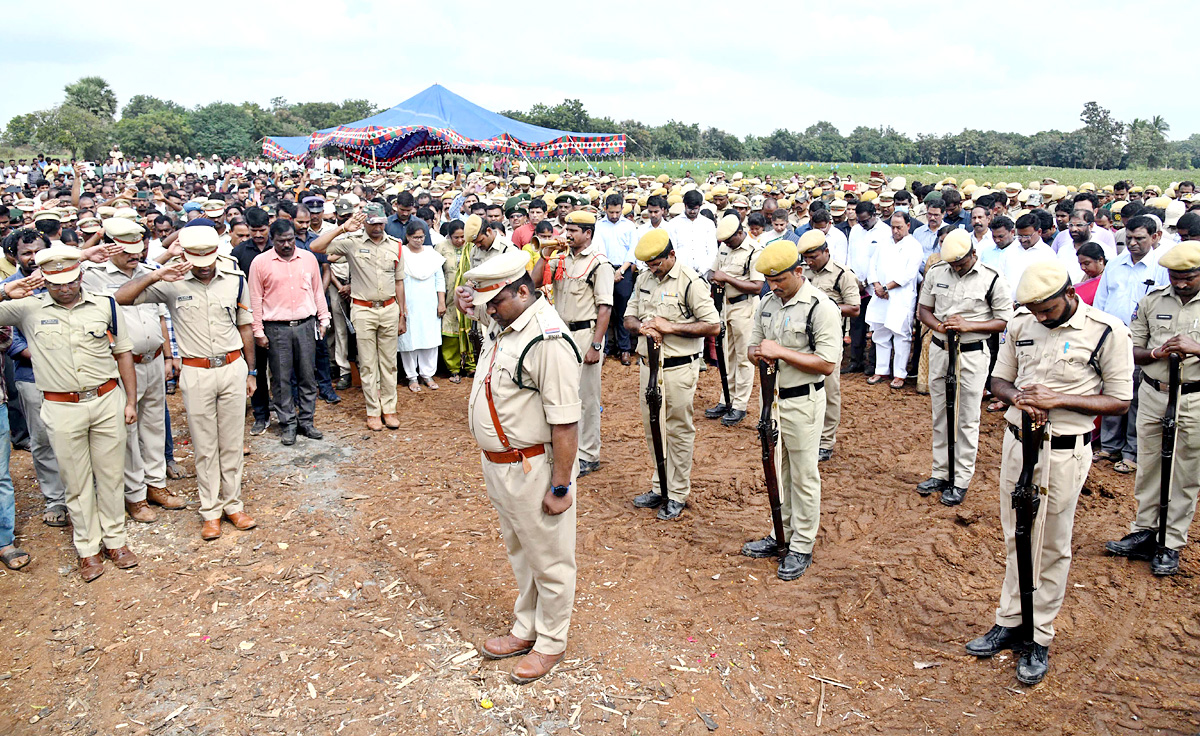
{"type": "Point", "coordinates": [737, 299]}
{"type": "Point", "coordinates": [679, 360]}
{"type": "Point", "coordinates": [583, 324]}
{"type": "Point", "coordinates": [1061, 442]}
{"type": "Point", "coordinates": [793, 391]}
{"type": "Point", "coordinates": [288, 322]}
{"type": "Point", "coordinates": [1184, 388]}
{"type": "Point", "coordinates": [965, 348]}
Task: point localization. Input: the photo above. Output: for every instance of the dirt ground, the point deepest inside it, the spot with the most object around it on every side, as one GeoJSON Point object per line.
{"type": "Point", "coordinates": [377, 566]}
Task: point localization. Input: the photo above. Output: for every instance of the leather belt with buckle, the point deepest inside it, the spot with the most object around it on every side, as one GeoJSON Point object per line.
{"type": "Point", "coordinates": [376, 305]}
{"type": "Point", "coordinates": [962, 347]}
{"type": "Point", "coordinates": [74, 397]}
{"type": "Point", "coordinates": [1061, 442]}
{"type": "Point", "coordinates": [583, 324]}
{"type": "Point", "coordinates": [514, 455]}
{"type": "Point", "coordinates": [1184, 388]}
{"type": "Point", "coordinates": [288, 322]}
{"type": "Point", "coordinates": [792, 392]}
{"type": "Point", "coordinates": [146, 358]}
{"type": "Point", "coordinates": [216, 361]}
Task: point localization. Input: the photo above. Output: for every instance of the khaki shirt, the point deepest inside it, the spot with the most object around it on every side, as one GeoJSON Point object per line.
{"type": "Point", "coordinates": [206, 316]}
{"type": "Point", "coordinates": [143, 322]}
{"type": "Point", "coordinates": [681, 298]}
{"type": "Point", "coordinates": [1159, 316]}
{"type": "Point", "coordinates": [787, 324]}
{"type": "Point", "coordinates": [481, 255]}
{"type": "Point", "coordinates": [739, 263]}
{"type": "Point", "coordinates": [550, 373]}
{"type": "Point", "coordinates": [982, 294]}
{"type": "Point", "coordinates": [585, 286]}
{"type": "Point", "coordinates": [70, 347]}
{"type": "Point", "coordinates": [1032, 354]}
{"type": "Point", "coordinates": [837, 282]}
{"type": "Point", "coordinates": [375, 267]}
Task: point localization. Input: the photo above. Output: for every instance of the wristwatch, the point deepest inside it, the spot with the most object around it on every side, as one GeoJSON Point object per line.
{"type": "Point", "coordinates": [597, 346]}
{"type": "Point", "coordinates": [560, 491]}
{"type": "Point", "coordinates": [252, 373]}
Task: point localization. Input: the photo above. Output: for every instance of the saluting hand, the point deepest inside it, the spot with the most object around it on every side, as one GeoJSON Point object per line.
{"type": "Point", "coordinates": [465, 299]}
{"type": "Point", "coordinates": [356, 221]}
{"type": "Point", "coordinates": [174, 272]}
{"type": "Point", "coordinates": [22, 288]}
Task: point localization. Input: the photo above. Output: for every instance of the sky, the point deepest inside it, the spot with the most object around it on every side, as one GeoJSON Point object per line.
{"type": "Point", "coordinates": [921, 68]}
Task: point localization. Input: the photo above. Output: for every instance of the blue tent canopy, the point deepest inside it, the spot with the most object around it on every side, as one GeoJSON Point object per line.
{"type": "Point", "coordinates": [437, 121]}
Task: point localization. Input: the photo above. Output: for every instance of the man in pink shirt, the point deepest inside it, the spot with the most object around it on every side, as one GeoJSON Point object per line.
{"type": "Point", "coordinates": [290, 315]}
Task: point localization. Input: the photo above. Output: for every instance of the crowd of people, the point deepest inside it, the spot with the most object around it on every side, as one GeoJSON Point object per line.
{"type": "Point", "coordinates": [246, 282]}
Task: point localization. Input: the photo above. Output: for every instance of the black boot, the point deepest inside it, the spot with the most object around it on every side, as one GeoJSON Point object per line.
{"type": "Point", "coordinates": [793, 565]}
{"type": "Point", "coordinates": [953, 495]}
{"type": "Point", "coordinates": [1032, 665]}
{"type": "Point", "coordinates": [670, 511]}
{"type": "Point", "coordinates": [997, 639]}
{"type": "Point", "coordinates": [1140, 545]}
{"type": "Point", "coordinates": [932, 485]}
{"type": "Point", "coordinates": [1165, 562]}
{"type": "Point", "coordinates": [717, 411]}
{"type": "Point", "coordinates": [759, 548]}
{"type": "Point", "coordinates": [733, 417]}
{"type": "Point", "coordinates": [648, 500]}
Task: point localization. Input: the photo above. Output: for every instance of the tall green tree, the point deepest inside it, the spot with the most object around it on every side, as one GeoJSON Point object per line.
{"type": "Point", "coordinates": [94, 95]}
{"type": "Point", "coordinates": [146, 104]}
{"type": "Point", "coordinates": [75, 129]}
{"type": "Point", "coordinates": [159, 133]}
{"type": "Point", "coordinates": [1102, 137]}
{"type": "Point", "coordinates": [224, 129]}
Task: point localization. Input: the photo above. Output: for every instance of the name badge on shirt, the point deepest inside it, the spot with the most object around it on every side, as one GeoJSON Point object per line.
{"type": "Point", "coordinates": [364, 250]}
{"type": "Point", "coordinates": [943, 286]}
{"type": "Point", "coordinates": [1023, 343]}
{"type": "Point", "coordinates": [185, 298]}
{"type": "Point", "coordinates": [112, 287]}
{"type": "Point", "coordinates": [1162, 316]}
{"type": "Point", "coordinates": [766, 314]}
{"type": "Point", "coordinates": [49, 322]}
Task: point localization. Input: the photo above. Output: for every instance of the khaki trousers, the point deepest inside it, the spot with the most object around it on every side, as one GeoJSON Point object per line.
{"type": "Point", "coordinates": [45, 462]}
{"type": "Point", "coordinates": [341, 333]}
{"type": "Point", "coordinates": [1185, 467]}
{"type": "Point", "coordinates": [377, 329]}
{"type": "Point", "coordinates": [739, 323]}
{"type": "Point", "coordinates": [678, 386]}
{"type": "Point", "coordinates": [589, 394]}
{"type": "Point", "coordinates": [145, 448]}
{"type": "Point", "coordinates": [1067, 471]}
{"type": "Point", "coordinates": [215, 400]}
{"type": "Point", "coordinates": [972, 380]}
{"type": "Point", "coordinates": [89, 435]}
{"type": "Point", "coordinates": [833, 408]}
{"type": "Point", "coordinates": [800, 422]}
{"type": "Point", "coordinates": [541, 550]}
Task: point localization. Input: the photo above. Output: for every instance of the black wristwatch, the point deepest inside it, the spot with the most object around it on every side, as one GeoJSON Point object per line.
{"type": "Point", "coordinates": [597, 346]}
{"type": "Point", "coordinates": [560, 491]}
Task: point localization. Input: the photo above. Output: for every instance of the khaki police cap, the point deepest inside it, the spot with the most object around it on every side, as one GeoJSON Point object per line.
{"type": "Point", "coordinates": [50, 214]}
{"type": "Point", "coordinates": [728, 225]}
{"type": "Point", "coordinates": [720, 190]}
{"type": "Point", "coordinates": [811, 240]}
{"type": "Point", "coordinates": [127, 213]}
{"type": "Point", "coordinates": [90, 225]}
{"type": "Point", "coordinates": [581, 217]}
{"type": "Point", "coordinates": [59, 263]}
{"type": "Point", "coordinates": [1183, 257]}
{"type": "Point", "coordinates": [837, 206]}
{"type": "Point", "coordinates": [652, 245]}
{"type": "Point", "coordinates": [126, 233]}
{"type": "Point", "coordinates": [199, 243]}
{"type": "Point", "coordinates": [495, 273]}
{"type": "Point", "coordinates": [778, 257]}
{"type": "Point", "coordinates": [1041, 281]}
{"type": "Point", "coordinates": [956, 245]}
{"type": "Point", "coordinates": [471, 227]}
{"type": "Point", "coordinates": [663, 179]}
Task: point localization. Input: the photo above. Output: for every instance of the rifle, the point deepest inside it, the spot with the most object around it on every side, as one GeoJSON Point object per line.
{"type": "Point", "coordinates": [475, 337]}
{"type": "Point", "coordinates": [654, 404]}
{"type": "Point", "coordinates": [768, 434]}
{"type": "Point", "coordinates": [951, 400]}
{"type": "Point", "coordinates": [718, 295]}
{"type": "Point", "coordinates": [1168, 447]}
{"type": "Point", "coordinates": [1025, 502]}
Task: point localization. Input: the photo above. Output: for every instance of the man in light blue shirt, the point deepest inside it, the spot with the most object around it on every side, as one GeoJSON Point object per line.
{"type": "Point", "coordinates": [927, 234]}
{"type": "Point", "coordinates": [1126, 279]}
{"type": "Point", "coordinates": [616, 237]}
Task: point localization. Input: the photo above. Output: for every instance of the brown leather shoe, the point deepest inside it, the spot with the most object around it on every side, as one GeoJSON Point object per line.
{"type": "Point", "coordinates": [626, 359]}
{"type": "Point", "coordinates": [374, 424]}
{"type": "Point", "coordinates": [91, 568]}
{"type": "Point", "coordinates": [140, 511]}
{"type": "Point", "coordinates": [502, 647]}
{"type": "Point", "coordinates": [534, 666]}
{"type": "Point", "coordinates": [241, 520]}
{"type": "Point", "coordinates": [166, 499]}
{"type": "Point", "coordinates": [122, 557]}
{"type": "Point", "coordinates": [391, 421]}
{"type": "Point", "coordinates": [210, 529]}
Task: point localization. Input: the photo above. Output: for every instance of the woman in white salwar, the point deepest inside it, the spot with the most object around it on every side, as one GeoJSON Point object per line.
{"type": "Point", "coordinates": [425, 297]}
{"type": "Point", "coordinates": [893, 277]}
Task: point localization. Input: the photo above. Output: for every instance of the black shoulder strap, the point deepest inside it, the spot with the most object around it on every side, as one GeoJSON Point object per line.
{"type": "Point", "coordinates": [808, 325]}
{"type": "Point", "coordinates": [112, 315]}
{"type": "Point", "coordinates": [687, 308]}
{"type": "Point", "coordinates": [1093, 359]}
{"type": "Point", "coordinates": [992, 286]}
{"type": "Point", "coordinates": [241, 287]}
{"type": "Point", "coordinates": [520, 381]}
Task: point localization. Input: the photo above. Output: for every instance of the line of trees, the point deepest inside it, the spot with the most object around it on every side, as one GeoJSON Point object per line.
{"type": "Point", "coordinates": [86, 124]}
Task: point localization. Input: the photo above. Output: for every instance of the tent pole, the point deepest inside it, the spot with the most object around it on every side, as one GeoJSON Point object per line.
{"type": "Point", "coordinates": [374, 163]}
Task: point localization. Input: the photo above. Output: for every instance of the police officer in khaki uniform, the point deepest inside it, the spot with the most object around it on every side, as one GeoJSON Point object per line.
{"type": "Point", "coordinates": [799, 329]}
{"type": "Point", "coordinates": [962, 294]}
{"type": "Point", "coordinates": [1062, 362]}
{"type": "Point", "coordinates": [1167, 322]}
{"type": "Point", "coordinates": [672, 306]}
{"type": "Point", "coordinates": [209, 304]}
{"type": "Point", "coordinates": [376, 305]}
{"type": "Point", "coordinates": [733, 270]}
{"type": "Point", "coordinates": [79, 347]}
{"type": "Point", "coordinates": [583, 295]}
{"type": "Point", "coordinates": [146, 327]}
{"type": "Point", "coordinates": [838, 283]}
{"type": "Point", "coordinates": [524, 412]}
{"type": "Point", "coordinates": [486, 239]}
